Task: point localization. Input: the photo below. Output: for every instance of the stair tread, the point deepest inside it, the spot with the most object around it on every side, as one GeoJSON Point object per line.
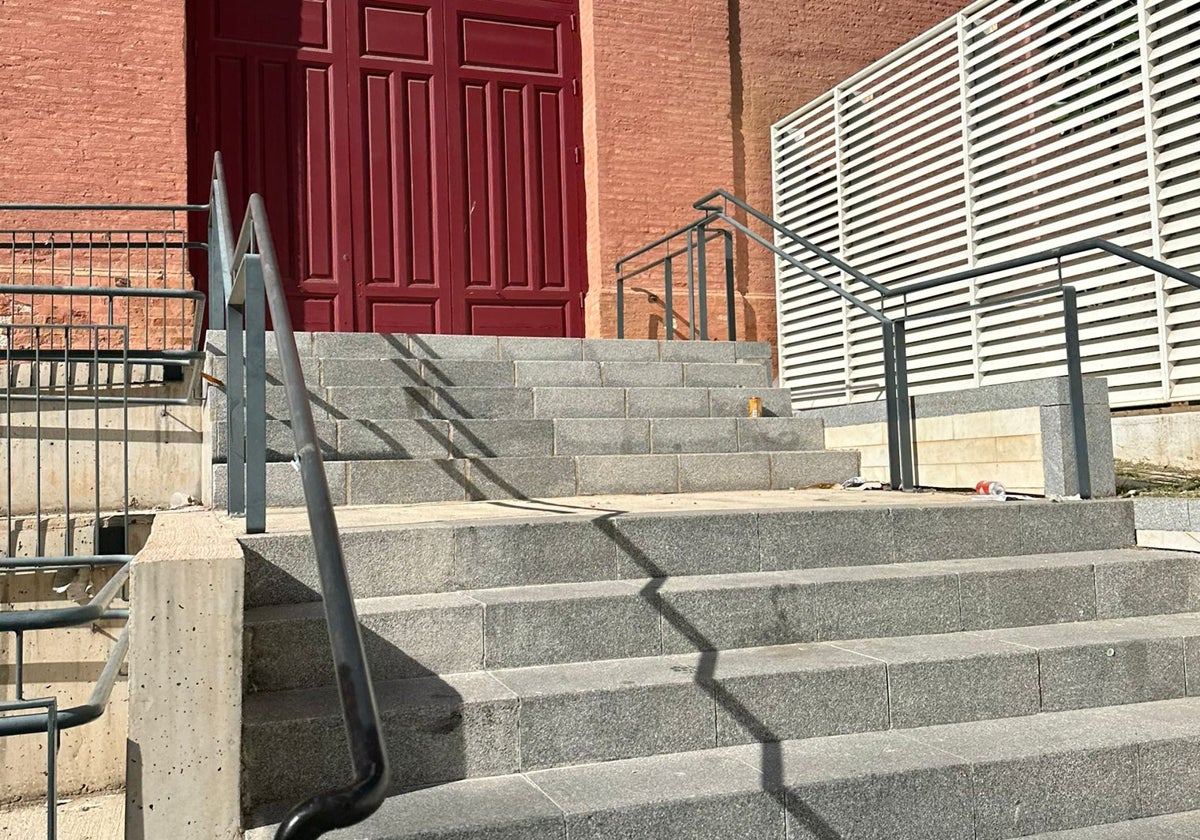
{"type": "Point", "coordinates": [1182, 826]}
{"type": "Point", "coordinates": [672, 669]}
{"type": "Point", "coordinates": [829, 780]}
{"type": "Point", "coordinates": [631, 587]}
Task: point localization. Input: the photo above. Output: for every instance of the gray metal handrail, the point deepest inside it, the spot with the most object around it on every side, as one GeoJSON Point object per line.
{"type": "Point", "coordinates": [254, 274]}
{"type": "Point", "coordinates": [901, 470]}
{"type": "Point", "coordinates": [716, 209]}
{"type": "Point", "coordinates": [78, 256]}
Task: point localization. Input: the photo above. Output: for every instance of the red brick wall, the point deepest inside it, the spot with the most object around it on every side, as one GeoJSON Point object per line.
{"type": "Point", "coordinates": [92, 101]}
{"type": "Point", "coordinates": [93, 108]}
{"type": "Point", "coordinates": [791, 52]}
{"type": "Point", "coordinates": [677, 113]}
{"type": "Point", "coordinates": [656, 133]}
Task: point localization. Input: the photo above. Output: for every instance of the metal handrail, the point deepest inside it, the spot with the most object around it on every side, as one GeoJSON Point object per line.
{"type": "Point", "coordinates": [19, 621]}
{"type": "Point", "coordinates": [93, 709]}
{"type": "Point", "coordinates": [255, 273]}
{"type": "Point", "coordinates": [1083, 245]}
{"type": "Point", "coordinates": [706, 206]}
{"type": "Point", "coordinates": [716, 209]}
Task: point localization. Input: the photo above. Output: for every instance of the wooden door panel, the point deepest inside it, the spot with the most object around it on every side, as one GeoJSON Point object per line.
{"type": "Point", "coordinates": [267, 93]}
{"type": "Point", "coordinates": [517, 194]}
{"type": "Point", "coordinates": [396, 162]}
{"type": "Point", "coordinates": [420, 160]}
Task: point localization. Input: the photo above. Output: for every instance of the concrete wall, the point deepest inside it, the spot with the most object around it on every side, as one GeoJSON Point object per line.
{"type": "Point", "coordinates": [1169, 438]}
{"type": "Point", "coordinates": [185, 673]}
{"type": "Point", "coordinates": [63, 663]}
{"type": "Point", "coordinates": [165, 453]}
{"type": "Point", "coordinates": [1019, 434]}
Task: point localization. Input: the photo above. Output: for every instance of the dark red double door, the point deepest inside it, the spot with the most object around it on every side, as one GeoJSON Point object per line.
{"type": "Point", "coordinates": [421, 161]}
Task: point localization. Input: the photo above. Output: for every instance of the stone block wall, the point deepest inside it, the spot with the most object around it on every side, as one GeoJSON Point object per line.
{"type": "Point", "coordinates": [1019, 434]}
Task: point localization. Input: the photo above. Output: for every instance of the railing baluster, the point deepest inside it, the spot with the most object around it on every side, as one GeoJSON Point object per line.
{"type": "Point", "coordinates": [730, 297]}
{"type": "Point", "coordinates": [691, 283]}
{"type": "Point", "coordinates": [256, 412]}
{"type": "Point", "coordinates": [669, 298]}
{"type": "Point", "coordinates": [1083, 473]}
{"type": "Point", "coordinates": [702, 279]}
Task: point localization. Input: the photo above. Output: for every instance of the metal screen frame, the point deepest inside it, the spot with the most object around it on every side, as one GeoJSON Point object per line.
{"type": "Point", "coordinates": [1007, 129]}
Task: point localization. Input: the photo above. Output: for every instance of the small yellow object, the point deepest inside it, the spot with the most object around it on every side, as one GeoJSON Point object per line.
{"type": "Point", "coordinates": [756, 407]}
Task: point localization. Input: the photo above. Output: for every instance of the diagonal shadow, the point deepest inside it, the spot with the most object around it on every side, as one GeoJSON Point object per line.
{"type": "Point", "coordinates": [771, 765]}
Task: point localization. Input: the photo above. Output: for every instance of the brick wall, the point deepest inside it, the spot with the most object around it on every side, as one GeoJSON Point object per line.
{"type": "Point", "coordinates": [656, 82]}
{"type": "Point", "coordinates": [677, 112]}
{"type": "Point", "coordinates": [93, 106]}
{"type": "Point", "coordinates": [92, 110]}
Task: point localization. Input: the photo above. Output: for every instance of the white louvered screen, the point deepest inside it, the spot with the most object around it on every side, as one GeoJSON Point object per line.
{"type": "Point", "coordinates": [1011, 128]}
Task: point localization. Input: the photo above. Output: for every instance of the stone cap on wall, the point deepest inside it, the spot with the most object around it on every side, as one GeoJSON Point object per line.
{"type": "Point", "coordinates": [1051, 391]}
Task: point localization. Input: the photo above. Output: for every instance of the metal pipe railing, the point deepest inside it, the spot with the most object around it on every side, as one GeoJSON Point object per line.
{"type": "Point", "coordinates": [128, 284]}
{"type": "Point", "coordinates": [254, 280]}
{"type": "Point", "coordinates": [716, 209]}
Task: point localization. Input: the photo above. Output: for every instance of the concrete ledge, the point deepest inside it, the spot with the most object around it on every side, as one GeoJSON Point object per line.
{"type": "Point", "coordinates": [185, 682]}
{"type": "Point", "coordinates": [1019, 434]}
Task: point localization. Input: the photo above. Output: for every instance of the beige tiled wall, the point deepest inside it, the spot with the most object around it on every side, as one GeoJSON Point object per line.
{"type": "Point", "coordinates": [958, 450]}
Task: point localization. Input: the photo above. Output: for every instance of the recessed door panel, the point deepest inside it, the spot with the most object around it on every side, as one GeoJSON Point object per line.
{"type": "Point", "coordinates": [420, 160]}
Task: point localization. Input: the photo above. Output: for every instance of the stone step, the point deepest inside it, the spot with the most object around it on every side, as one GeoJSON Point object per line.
{"type": "Point", "coordinates": [387, 482]}
{"type": "Point", "coordinates": [556, 716]}
{"type": "Point", "coordinates": [532, 548]}
{"type": "Point", "coordinates": [402, 373]}
{"type": "Point", "coordinates": [377, 402]}
{"type": "Point", "coordinates": [997, 779]}
{"type": "Point", "coordinates": [347, 440]}
{"type": "Point", "coordinates": [405, 346]}
{"type": "Point", "coordinates": [549, 624]}
{"type": "Point", "coordinates": [1181, 826]}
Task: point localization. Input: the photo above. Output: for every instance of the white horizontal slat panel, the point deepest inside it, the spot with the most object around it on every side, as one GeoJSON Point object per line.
{"type": "Point", "coordinates": [1042, 141]}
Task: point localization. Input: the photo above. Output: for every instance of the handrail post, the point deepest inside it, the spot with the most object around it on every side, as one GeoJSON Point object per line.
{"type": "Point", "coordinates": [235, 414]}
{"type": "Point", "coordinates": [620, 306]}
{"type": "Point", "coordinates": [691, 284]}
{"type": "Point", "coordinates": [669, 298]}
{"type": "Point", "coordinates": [730, 302]}
{"type": "Point", "coordinates": [904, 406]}
{"type": "Point", "coordinates": [216, 268]}
{"type": "Point", "coordinates": [1083, 471]}
{"type": "Point", "coordinates": [256, 393]}
{"type": "Point", "coordinates": [702, 278]}
{"type": "Point", "coordinates": [893, 412]}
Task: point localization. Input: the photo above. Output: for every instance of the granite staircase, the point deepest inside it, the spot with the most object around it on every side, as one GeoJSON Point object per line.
{"type": "Point", "coordinates": [715, 666]}
{"type": "Point", "coordinates": [883, 670]}
{"type": "Point", "coordinates": [419, 418]}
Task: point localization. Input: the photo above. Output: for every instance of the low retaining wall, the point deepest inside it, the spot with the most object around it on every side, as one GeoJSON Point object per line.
{"type": "Point", "coordinates": [185, 678]}
{"type": "Point", "coordinates": [1170, 523]}
{"type": "Point", "coordinates": [1019, 434]}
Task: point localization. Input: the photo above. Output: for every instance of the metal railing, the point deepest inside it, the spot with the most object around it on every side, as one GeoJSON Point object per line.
{"type": "Point", "coordinates": [719, 219]}
{"type": "Point", "coordinates": [92, 323]}
{"type": "Point", "coordinates": [250, 275]}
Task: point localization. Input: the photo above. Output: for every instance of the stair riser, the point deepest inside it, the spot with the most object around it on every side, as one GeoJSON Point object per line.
{"type": "Point", "coordinates": [354, 372]}
{"type": "Point", "coordinates": [488, 348]}
{"type": "Point", "coordinates": [434, 480]}
{"type": "Point", "coordinates": [849, 694]}
{"type": "Point", "coordinates": [607, 623]}
{"type": "Point", "coordinates": [917, 788]}
{"type": "Point", "coordinates": [380, 403]}
{"type": "Point", "coordinates": [384, 439]}
{"type": "Point", "coordinates": [443, 557]}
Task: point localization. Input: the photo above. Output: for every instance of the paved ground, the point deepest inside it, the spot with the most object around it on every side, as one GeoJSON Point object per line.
{"type": "Point", "coordinates": [91, 817]}
{"type": "Point", "coordinates": [295, 519]}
